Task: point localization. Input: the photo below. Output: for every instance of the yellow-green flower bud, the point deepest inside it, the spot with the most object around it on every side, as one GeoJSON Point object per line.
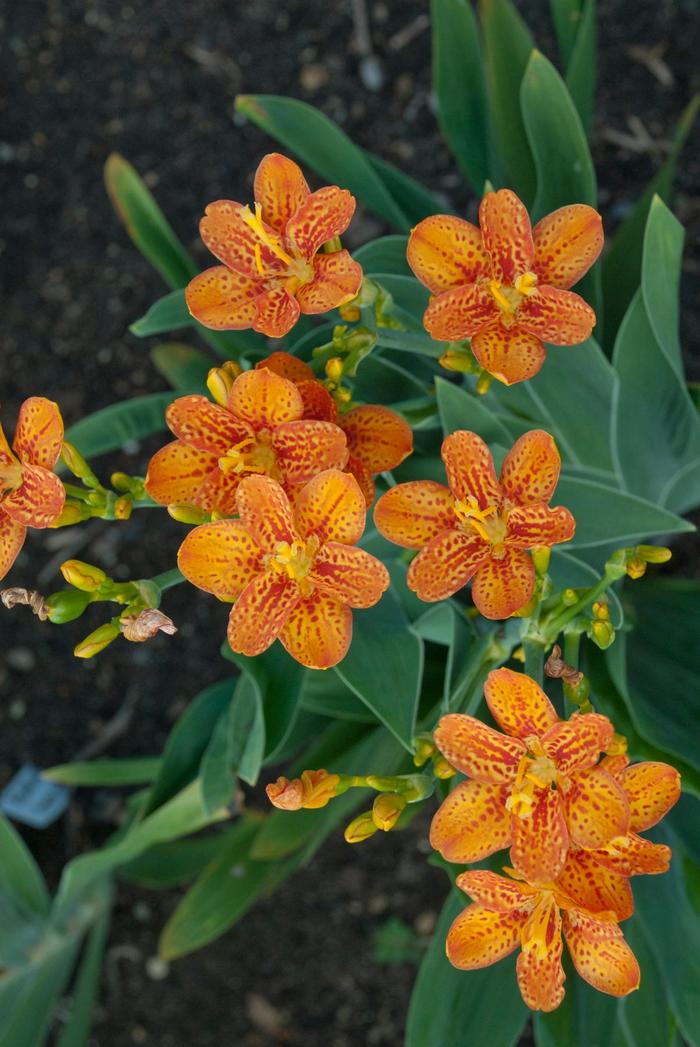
{"type": "Point", "coordinates": [387, 809]}
{"type": "Point", "coordinates": [123, 507]}
{"type": "Point", "coordinates": [188, 514]}
{"type": "Point", "coordinates": [654, 553]}
{"type": "Point", "coordinates": [97, 640]}
{"type": "Point", "coordinates": [360, 828]}
{"type": "Point", "coordinates": [67, 605]}
{"type": "Point", "coordinates": [83, 576]}
{"type": "Point", "coordinates": [602, 633]}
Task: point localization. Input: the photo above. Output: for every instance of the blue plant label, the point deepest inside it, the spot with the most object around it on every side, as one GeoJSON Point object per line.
{"type": "Point", "coordinates": [33, 800]}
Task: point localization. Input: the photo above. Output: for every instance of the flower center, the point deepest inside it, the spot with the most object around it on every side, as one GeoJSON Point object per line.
{"type": "Point", "coordinates": [251, 456]}
{"type": "Point", "coordinates": [509, 297]}
{"type": "Point", "coordinates": [535, 772]}
{"type": "Point", "coordinates": [539, 932]}
{"type": "Point", "coordinates": [488, 522]}
{"type": "Point", "coordinates": [299, 271]}
{"type": "Point", "coordinates": [295, 559]}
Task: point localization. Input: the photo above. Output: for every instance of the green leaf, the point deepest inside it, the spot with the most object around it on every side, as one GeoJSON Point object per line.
{"type": "Point", "coordinates": [459, 88]}
{"type": "Point", "coordinates": [186, 369]}
{"type": "Point", "coordinates": [585, 1017]}
{"type": "Point", "coordinates": [129, 771]}
{"type": "Point", "coordinates": [320, 143]}
{"type": "Point", "coordinates": [326, 694]}
{"type": "Point", "coordinates": [76, 1031]}
{"type": "Point", "coordinates": [645, 1016]}
{"type": "Point", "coordinates": [172, 864]}
{"type": "Point", "coordinates": [662, 256]}
{"type": "Point", "coordinates": [384, 666]}
{"type": "Point", "coordinates": [581, 68]}
{"type": "Point", "coordinates": [145, 222]}
{"type": "Point", "coordinates": [20, 877]}
{"type": "Point", "coordinates": [413, 198]}
{"type": "Point", "coordinates": [110, 428]}
{"type": "Point", "coordinates": [170, 313]}
{"type": "Point", "coordinates": [446, 1003]}
{"type": "Point", "coordinates": [409, 342]}
{"type": "Point", "coordinates": [460, 409]}
{"type": "Point", "coordinates": [236, 746]}
{"type": "Point", "coordinates": [567, 16]}
{"type": "Point", "coordinates": [384, 255]}
{"type": "Point", "coordinates": [279, 679]}
{"type": "Point", "coordinates": [29, 995]}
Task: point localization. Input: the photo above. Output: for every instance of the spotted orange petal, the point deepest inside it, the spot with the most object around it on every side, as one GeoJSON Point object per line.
{"type": "Point", "coordinates": [494, 892]}
{"type": "Point", "coordinates": [276, 312]}
{"type": "Point", "coordinates": [539, 968]}
{"type": "Point", "coordinates": [230, 238]}
{"type": "Point", "coordinates": [350, 574]}
{"type": "Point", "coordinates": [265, 511]}
{"type": "Point", "coordinates": [445, 565]}
{"type": "Point", "coordinates": [363, 476]}
{"type": "Point", "coordinates": [413, 513]}
{"type": "Point", "coordinates": [337, 280]}
{"type": "Point", "coordinates": [591, 886]}
{"type": "Point", "coordinates": [39, 433]}
{"type": "Point", "coordinates": [318, 402]}
{"type": "Point", "coordinates": [286, 366]}
{"type": "Point", "coordinates": [307, 447]}
{"type": "Point", "coordinates": [280, 188]}
{"type": "Point", "coordinates": [480, 937]}
{"type": "Point", "coordinates": [39, 498]}
{"type": "Point", "coordinates": [502, 587]}
{"type": "Point", "coordinates": [332, 507]}
{"type": "Point", "coordinates": [632, 855]}
{"type": "Point", "coordinates": [541, 840]}
{"type": "Point", "coordinates": [600, 954]}
{"type": "Point", "coordinates": [378, 436]}
{"type": "Point", "coordinates": [616, 765]}
{"type": "Point", "coordinates": [530, 470]}
{"type": "Point", "coordinates": [477, 750]}
{"type": "Point", "coordinates": [508, 353]}
{"type": "Point", "coordinates": [530, 525]}
{"type": "Point", "coordinates": [176, 473]}
{"type": "Point", "coordinates": [444, 252]}
{"type": "Point", "coordinates": [470, 470]}
{"type": "Point", "coordinates": [218, 492]}
{"type": "Point", "coordinates": [596, 808]}
{"type": "Point", "coordinates": [260, 612]}
{"type": "Point", "coordinates": [471, 823]}
{"type": "Point", "coordinates": [652, 789]}
{"type": "Point", "coordinates": [222, 299]}
{"type": "Point", "coordinates": [221, 558]}
{"type": "Point", "coordinates": [558, 317]}
{"type": "Point", "coordinates": [12, 537]}
{"type": "Point", "coordinates": [6, 456]}
{"type": "Point", "coordinates": [323, 215]}
{"type": "Point", "coordinates": [576, 744]}
{"type": "Point", "coordinates": [518, 705]}
{"type": "Point", "coordinates": [567, 243]}
{"type": "Point", "coordinates": [507, 234]}
{"type": "Point", "coordinates": [318, 631]}
{"type": "Point", "coordinates": [264, 399]}
{"type": "Point", "coordinates": [204, 425]}
{"type": "Point", "coordinates": [459, 313]}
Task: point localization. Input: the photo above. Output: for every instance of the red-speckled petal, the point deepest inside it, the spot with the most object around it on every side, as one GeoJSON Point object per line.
{"type": "Point", "coordinates": [264, 400]}
{"type": "Point", "coordinates": [507, 234]}
{"type": "Point", "coordinates": [221, 558]}
{"type": "Point", "coordinates": [307, 447]}
{"type": "Point", "coordinates": [576, 744]}
{"type": "Point", "coordinates": [265, 511]}
{"type": "Point", "coordinates": [469, 467]}
{"type": "Point", "coordinates": [332, 507]}
{"type": "Point", "coordinates": [318, 631]}
{"type": "Point", "coordinates": [445, 565]}
{"type": "Point", "coordinates": [378, 436]}
{"type": "Point", "coordinates": [478, 750]}
{"type": "Point", "coordinates": [12, 537]}
{"type": "Point", "coordinates": [557, 317]}
{"type": "Point", "coordinates": [349, 574]}
{"type": "Point", "coordinates": [596, 808]}
{"type": "Point", "coordinates": [39, 433]}
{"type": "Point", "coordinates": [412, 514]}
{"type": "Point", "coordinates": [222, 299]}
{"type": "Point", "coordinates": [444, 252]}
{"type": "Point", "coordinates": [471, 823]}
{"type": "Point", "coordinates": [324, 215]}
{"type": "Point", "coordinates": [276, 312]}
{"type": "Point", "coordinates": [176, 473]}
{"type": "Point", "coordinates": [541, 840]}
{"type": "Point", "coordinates": [480, 937]}
{"type": "Point", "coordinates": [459, 313]}
{"type": "Point", "coordinates": [652, 789]}
{"type": "Point", "coordinates": [600, 954]}
{"type": "Point", "coordinates": [260, 612]}
{"type": "Point", "coordinates": [502, 587]}
{"type": "Point", "coordinates": [492, 891]}
{"type": "Point", "coordinates": [218, 493]}
{"type": "Point", "coordinates": [235, 243]}
{"type": "Point", "coordinates": [337, 280]}
{"type": "Point", "coordinates": [508, 353]}
{"type": "Point", "coordinates": [280, 189]}
{"type": "Point", "coordinates": [616, 765]}
{"type": "Point", "coordinates": [204, 425]}
{"type": "Point", "coordinates": [632, 855]}
{"type": "Point", "coordinates": [518, 705]}
{"type": "Point", "coordinates": [567, 243]}
{"type": "Point", "coordinates": [318, 402]}
{"type": "Point", "coordinates": [286, 366]}
{"type": "Point", "coordinates": [530, 470]}
{"type": "Point", "coordinates": [539, 969]}
{"type": "Point", "coordinates": [363, 476]}
{"type": "Point", "coordinates": [7, 458]}
{"type": "Point", "coordinates": [39, 498]}
{"type": "Point", "coordinates": [593, 887]}
{"type": "Point", "coordinates": [530, 525]}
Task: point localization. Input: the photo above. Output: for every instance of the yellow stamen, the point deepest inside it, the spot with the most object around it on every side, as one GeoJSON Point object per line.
{"type": "Point", "coordinates": [295, 559]}
{"type": "Point", "coordinates": [538, 932]}
{"type": "Point", "coordinates": [258, 260]}
{"type": "Point", "coordinates": [486, 522]}
{"type": "Point", "coordinates": [249, 456]}
{"type": "Point", "coordinates": [256, 224]}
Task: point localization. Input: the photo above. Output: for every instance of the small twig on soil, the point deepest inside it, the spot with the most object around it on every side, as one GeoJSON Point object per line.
{"type": "Point", "coordinates": [409, 32]}
{"type": "Point", "coordinates": [113, 729]}
{"type": "Point", "coordinates": [651, 59]}
{"type": "Point", "coordinates": [639, 141]}
{"type": "Point", "coordinates": [371, 72]}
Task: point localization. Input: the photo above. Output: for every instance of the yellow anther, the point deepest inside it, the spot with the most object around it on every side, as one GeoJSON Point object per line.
{"type": "Point", "coordinates": [502, 298]}
{"type": "Point", "coordinates": [526, 284]}
{"type": "Point", "coordinates": [256, 224]}
{"type": "Point", "coordinates": [249, 456]}
{"type": "Point", "coordinates": [295, 559]}
{"type": "Point", "coordinates": [258, 260]}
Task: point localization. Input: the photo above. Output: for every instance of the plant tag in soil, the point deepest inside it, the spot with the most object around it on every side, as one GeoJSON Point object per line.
{"type": "Point", "coordinates": [32, 800]}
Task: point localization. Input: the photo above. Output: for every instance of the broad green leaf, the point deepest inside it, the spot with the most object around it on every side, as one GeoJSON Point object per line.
{"type": "Point", "coordinates": [20, 877]}
{"type": "Point", "coordinates": [385, 255]}
{"type": "Point", "coordinates": [325, 693]}
{"type": "Point", "coordinates": [279, 680]}
{"type": "Point", "coordinates": [645, 1016]}
{"type": "Point", "coordinates": [447, 1003]}
{"type": "Point", "coordinates": [409, 342]}
{"type": "Point", "coordinates": [567, 16]}
{"type": "Point", "coordinates": [459, 88]}
{"type": "Point", "coordinates": [110, 428]}
{"type": "Point", "coordinates": [585, 1018]}
{"type": "Point", "coordinates": [409, 295]}
{"type": "Point", "coordinates": [172, 864]}
{"type": "Point", "coordinates": [170, 313]}
{"type": "Point", "coordinates": [76, 1031]}
{"type": "Point", "coordinates": [460, 409]}
{"type": "Point", "coordinates": [581, 66]}
{"type": "Point", "coordinates": [185, 368]}
{"type": "Point", "coordinates": [662, 256]}
{"type": "Point", "coordinates": [129, 771]}
{"type": "Point", "coordinates": [320, 143]}
{"type": "Point", "coordinates": [384, 666]}
{"type": "Point", "coordinates": [145, 222]}
{"type": "Point", "coordinates": [236, 747]}
{"type": "Point", "coordinates": [413, 198]}
{"type": "Point", "coordinates": [29, 995]}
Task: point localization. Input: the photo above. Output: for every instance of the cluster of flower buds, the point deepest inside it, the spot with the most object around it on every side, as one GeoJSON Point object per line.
{"type": "Point", "coordinates": [93, 499]}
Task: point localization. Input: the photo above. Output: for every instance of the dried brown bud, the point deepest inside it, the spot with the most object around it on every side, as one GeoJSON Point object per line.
{"type": "Point", "coordinates": [146, 624]}
{"type": "Point", "coordinates": [29, 598]}
{"type": "Point", "coordinates": [556, 668]}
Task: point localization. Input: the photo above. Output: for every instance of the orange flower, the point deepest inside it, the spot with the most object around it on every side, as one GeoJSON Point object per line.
{"type": "Point", "coordinates": [479, 528]}
{"type": "Point", "coordinates": [506, 286]}
{"type": "Point", "coordinates": [30, 494]}
{"type": "Point", "coordinates": [294, 573]}
{"type": "Point", "coordinates": [537, 788]}
{"type": "Point", "coordinates": [506, 914]}
{"type": "Point", "coordinates": [313, 790]}
{"type": "Point", "coordinates": [273, 268]}
{"type": "Point", "coordinates": [378, 438]}
{"type": "Point", "coordinates": [260, 430]}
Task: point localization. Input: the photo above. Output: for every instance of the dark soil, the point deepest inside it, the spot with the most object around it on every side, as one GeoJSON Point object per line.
{"type": "Point", "coordinates": [155, 81]}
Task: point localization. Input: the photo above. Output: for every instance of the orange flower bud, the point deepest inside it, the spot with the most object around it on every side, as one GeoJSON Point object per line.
{"type": "Point", "coordinates": [334, 368]}
{"type": "Point", "coordinates": [387, 809]}
{"type": "Point", "coordinates": [220, 381]}
{"type": "Point", "coordinates": [350, 313]}
{"type": "Point", "coordinates": [286, 795]}
{"type": "Point", "coordinates": [123, 507]}
{"type": "Point", "coordinates": [636, 567]}
{"type": "Point", "coordinates": [442, 769]}
{"type": "Point", "coordinates": [319, 787]}
{"type": "Point", "coordinates": [72, 513]}
{"type": "Point", "coordinates": [360, 828]}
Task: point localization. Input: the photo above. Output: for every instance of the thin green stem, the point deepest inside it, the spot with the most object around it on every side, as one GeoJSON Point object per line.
{"type": "Point", "coordinates": [554, 627]}
{"type": "Point", "coordinates": [168, 579]}
{"type": "Point", "coordinates": [534, 659]}
{"type": "Point", "coordinates": [572, 644]}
